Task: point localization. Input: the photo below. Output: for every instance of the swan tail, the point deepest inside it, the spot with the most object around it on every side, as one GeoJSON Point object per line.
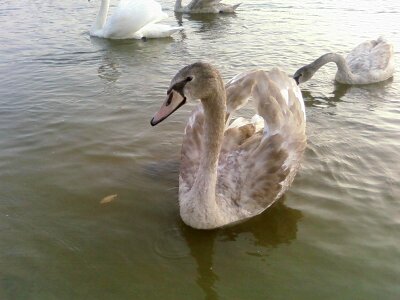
{"type": "Point", "coordinates": [234, 7]}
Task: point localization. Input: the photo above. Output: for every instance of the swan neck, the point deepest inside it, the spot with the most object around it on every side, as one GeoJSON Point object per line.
{"type": "Point", "coordinates": [102, 15]}
{"type": "Point", "coordinates": [214, 122]}
{"type": "Point", "coordinates": [335, 58]}
{"type": "Point", "coordinates": [200, 208]}
{"type": "Point", "coordinates": [214, 126]}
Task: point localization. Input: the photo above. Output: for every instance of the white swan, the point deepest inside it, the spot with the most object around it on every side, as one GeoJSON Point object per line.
{"type": "Point", "coordinates": [205, 6]}
{"type": "Point", "coordinates": [132, 19]}
{"type": "Point", "coordinates": [371, 61]}
{"type": "Point", "coordinates": [232, 172]}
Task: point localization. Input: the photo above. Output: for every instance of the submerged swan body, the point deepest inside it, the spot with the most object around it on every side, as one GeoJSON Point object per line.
{"type": "Point", "coordinates": [205, 6]}
{"type": "Point", "coordinates": [231, 172]}
{"type": "Point", "coordinates": [132, 19]}
{"type": "Point", "coordinates": [371, 61]}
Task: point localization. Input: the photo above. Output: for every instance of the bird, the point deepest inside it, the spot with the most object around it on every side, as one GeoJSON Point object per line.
{"type": "Point", "coordinates": [132, 19]}
{"type": "Point", "coordinates": [371, 61]}
{"type": "Point", "coordinates": [233, 170]}
{"type": "Point", "coordinates": [205, 6]}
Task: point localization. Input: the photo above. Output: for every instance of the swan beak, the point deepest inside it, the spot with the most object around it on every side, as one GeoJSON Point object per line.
{"type": "Point", "coordinates": [172, 103]}
{"type": "Point", "coordinates": [297, 79]}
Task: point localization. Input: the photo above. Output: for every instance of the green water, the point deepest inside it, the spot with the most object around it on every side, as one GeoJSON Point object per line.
{"type": "Point", "coordinates": [74, 128]}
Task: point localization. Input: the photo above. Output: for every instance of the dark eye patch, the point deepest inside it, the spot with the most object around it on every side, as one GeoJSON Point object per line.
{"type": "Point", "coordinates": [178, 87]}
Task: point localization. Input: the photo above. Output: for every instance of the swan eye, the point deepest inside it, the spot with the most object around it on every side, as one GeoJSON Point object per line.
{"type": "Point", "coordinates": [189, 78]}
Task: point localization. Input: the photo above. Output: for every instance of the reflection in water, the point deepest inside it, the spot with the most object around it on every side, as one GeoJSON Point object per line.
{"type": "Point", "coordinates": [336, 96]}
{"type": "Point", "coordinates": [275, 226]}
{"type": "Point", "coordinates": [116, 53]}
{"type": "Point", "coordinates": [207, 21]}
{"type": "Point", "coordinates": [109, 69]}
{"type": "Point", "coordinates": [128, 57]}
{"type": "Point", "coordinates": [340, 90]}
{"type": "Point", "coordinates": [201, 244]}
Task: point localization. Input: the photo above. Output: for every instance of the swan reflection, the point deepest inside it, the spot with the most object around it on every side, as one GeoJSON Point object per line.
{"type": "Point", "coordinates": [277, 225]}
{"type": "Point", "coordinates": [109, 69]}
{"type": "Point", "coordinates": [206, 22]}
{"type": "Point", "coordinates": [341, 90]}
{"type": "Point", "coordinates": [116, 54]}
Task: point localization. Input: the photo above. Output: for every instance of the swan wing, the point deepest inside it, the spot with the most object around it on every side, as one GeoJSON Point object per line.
{"type": "Point", "coordinates": [130, 16]}
{"type": "Point", "coordinates": [260, 166]}
{"type": "Point", "coordinates": [157, 31]}
{"type": "Point", "coordinates": [370, 56]}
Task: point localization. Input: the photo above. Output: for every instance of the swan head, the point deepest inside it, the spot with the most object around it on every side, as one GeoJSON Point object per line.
{"type": "Point", "coordinates": [196, 81]}
{"type": "Point", "coordinates": [303, 74]}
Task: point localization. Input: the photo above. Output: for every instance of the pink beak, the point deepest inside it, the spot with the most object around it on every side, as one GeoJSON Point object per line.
{"type": "Point", "coordinates": [172, 103]}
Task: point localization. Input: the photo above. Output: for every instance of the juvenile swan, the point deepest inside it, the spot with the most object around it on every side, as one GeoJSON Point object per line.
{"type": "Point", "coordinates": [371, 61]}
{"type": "Point", "coordinates": [233, 172]}
{"type": "Point", "coordinates": [205, 6]}
{"type": "Point", "coordinates": [132, 19]}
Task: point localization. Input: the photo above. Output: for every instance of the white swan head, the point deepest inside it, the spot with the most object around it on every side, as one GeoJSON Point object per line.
{"type": "Point", "coordinates": [196, 81]}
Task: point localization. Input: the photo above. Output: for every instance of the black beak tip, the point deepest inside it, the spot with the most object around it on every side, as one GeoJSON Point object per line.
{"type": "Point", "coordinates": [152, 123]}
{"type": "Point", "coordinates": [296, 79]}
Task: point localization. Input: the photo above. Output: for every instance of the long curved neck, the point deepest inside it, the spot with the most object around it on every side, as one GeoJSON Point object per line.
{"type": "Point", "coordinates": [338, 59]}
{"type": "Point", "coordinates": [214, 120]}
{"type": "Point", "coordinates": [214, 125]}
{"type": "Point", "coordinates": [102, 15]}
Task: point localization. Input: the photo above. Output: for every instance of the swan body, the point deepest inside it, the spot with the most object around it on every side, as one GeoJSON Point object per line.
{"type": "Point", "coordinates": [205, 6]}
{"type": "Point", "coordinates": [233, 171]}
{"type": "Point", "coordinates": [132, 19]}
{"type": "Point", "coordinates": [371, 61]}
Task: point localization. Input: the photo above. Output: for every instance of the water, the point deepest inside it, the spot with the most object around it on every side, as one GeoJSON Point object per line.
{"type": "Point", "coordinates": [74, 128]}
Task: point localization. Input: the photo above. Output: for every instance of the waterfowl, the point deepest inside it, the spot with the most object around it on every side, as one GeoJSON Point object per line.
{"type": "Point", "coordinates": [371, 61]}
{"type": "Point", "coordinates": [132, 19]}
{"type": "Point", "coordinates": [233, 171]}
{"type": "Point", "coordinates": [205, 6]}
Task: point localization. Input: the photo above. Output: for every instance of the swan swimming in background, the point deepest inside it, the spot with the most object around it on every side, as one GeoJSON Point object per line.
{"type": "Point", "coordinates": [231, 172]}
{"type": "Point", "coordinates": [132, 19]}
{"type": "Point", "coordinates": [205, 6]}
{"type": "Point", "coordinates": [371, 61]}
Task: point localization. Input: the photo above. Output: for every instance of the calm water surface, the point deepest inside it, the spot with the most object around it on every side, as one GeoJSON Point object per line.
{"type": "Point", "coordinates": [74, 128]}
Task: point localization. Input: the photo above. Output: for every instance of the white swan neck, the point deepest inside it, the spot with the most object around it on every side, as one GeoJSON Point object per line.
{"type": "Point", "coordinates": [101, 16]}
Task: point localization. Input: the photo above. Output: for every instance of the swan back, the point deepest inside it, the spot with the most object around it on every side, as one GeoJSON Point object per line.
{"type": "Point", "coordinates": [371, 61]}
